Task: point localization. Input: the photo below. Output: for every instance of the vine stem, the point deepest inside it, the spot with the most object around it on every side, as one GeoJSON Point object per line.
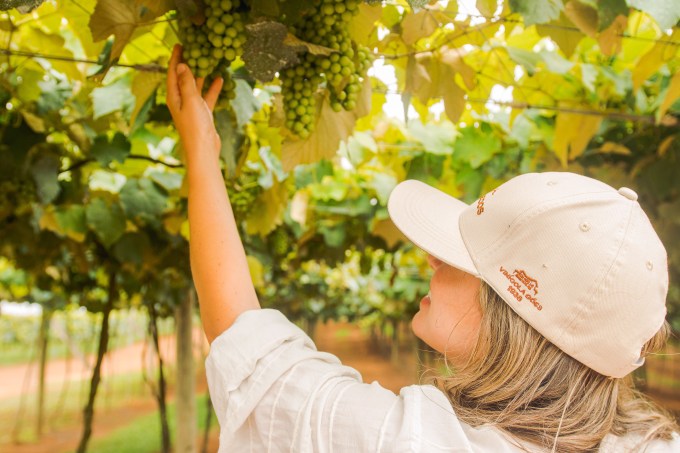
{"type": "Point", "coordinates": [83, 162]}
{"type": "Point", "coordinates": [148, 67]}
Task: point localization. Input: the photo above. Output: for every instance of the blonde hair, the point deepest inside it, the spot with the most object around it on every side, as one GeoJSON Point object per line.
{"type": "Point", "coordinates": [519, 382]}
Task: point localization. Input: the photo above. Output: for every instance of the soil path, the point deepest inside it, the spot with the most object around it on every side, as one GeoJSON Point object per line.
{"type": "Point", "coordinates": [346, 341]}
{"type": "Point", "coordinates": [23, 378]}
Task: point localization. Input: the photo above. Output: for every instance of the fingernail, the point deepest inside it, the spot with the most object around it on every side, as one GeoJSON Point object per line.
{"type": "Point", "coordinates": [181, 68]}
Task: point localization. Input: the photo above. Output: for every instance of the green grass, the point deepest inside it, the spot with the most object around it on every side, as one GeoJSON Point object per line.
{"type": "Point", "coordinates": [143, 434]}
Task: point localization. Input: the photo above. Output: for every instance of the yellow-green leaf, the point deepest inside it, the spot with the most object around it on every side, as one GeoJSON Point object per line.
{"type": "Point", "coordinates": [583, 16]}
{"type": "Point", "coordinates": [662, 52]}
{"type": "Point", "coordinates": [573, 131]}
{"type": "Point", "coordinates": [665, 144]}
{"type": "Point", "coordinates": [331, 128]}
{"type": "Point", "coordinates": [614, 148]}
{"type": "Point", "coordinates": [314, 49]}
{"type": "Point", "coordinates": [121, 17]}
{"type": "Point", "coordinates": [385, 228]}
{"type": "Point", "coordinates": [143, 85]}
{"type": "Point", "coordinates": [363, 24]}
{"type": "Point", "coordinates": [562, 33]}
{"type": "Point", "coordinates": [417, 26]}
{"type": "Point", "coordinates": [486, 7]}
{"type": "Point", "coordinates": [610, 38]}
{"type": "Point", "coordinates": [256, 270]}
{"type": "Point", "coordinates": [672, 94]}
{"type": "Point", "coordinates": [268, 211]}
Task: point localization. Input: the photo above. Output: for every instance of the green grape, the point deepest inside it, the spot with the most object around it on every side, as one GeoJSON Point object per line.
{"type": "Point", "coordinates": [243, 193]}
{"type": "Point", "coordinates": [210, 48]}
{"type": "Point", "coordinates": [298, 87]}
{"type": "Point", "coordinates": [341, 73]}
{"type": "Point", "coordinates": [280, 242]}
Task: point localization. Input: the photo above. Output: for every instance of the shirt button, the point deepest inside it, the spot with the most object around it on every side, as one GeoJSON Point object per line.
{"type": "Point", "coordinates": [628, 193]}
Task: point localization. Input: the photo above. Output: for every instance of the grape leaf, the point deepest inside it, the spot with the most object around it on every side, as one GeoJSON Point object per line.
{"type": "Point", "coordinates": [610, 39]}
{"type": "Point", "coordinates": [608, 11]}
{"type": "Point", "coordinates": [231, 140]}
{"type": "Point", "coordinates": [23, 6]}
{"type": "Point", "coordinates": [111, 98]}
{"type": "Point", "coordinates": [537, 12]}
{"type": "Point", "coordinates": [475, 147]}
{"type": "Point", "coordinates": [143, 86]}
{"type": "Point", "coordinates": [385, 229]}
{"type": "Point", "coordinates": [267, 213]}
{"type": "Point", "coordinates": [265, 52]}
{"type": "Point", "coordinates": [665, 12]}
{"type": "Point", "coordinates": [131, 248]}
{"type": "Point", "coordinates": [71, 222]}
{"type": "Point", "coordinates": [572, 134]}
{"type": "Point", "coordinates": [141, 199]}
{"type": "Point", "coordinates": [280, 9]}
{"type": "Point", "coordinates": [245, 104]}
{"type": "Point", "coordinates": [662, 52]}
{"type": "Point", "coordinates": [295, 42]}
{"type": "Point", "coordinates": [562, 33]}
{"type": "Point", "coordinates": [105, 151]}
{"type": "Point", "coordinates": [417, 4]}
{"type": "Point", "coordinates": [45, 171]}
{"type": "Point", "coordinates": [187, 8]}
{"type": "Point", "coordinates": [416, 26]}
{"type": "Point", "coordinates": [432, 75]}
{"type": "Point", "coordinates": [121, 18]}
{"type": "Point", "coordinates": [671, 95]}
{"type": "Point", "coordinates": [583, 16]}
{"type": "Point", "coordinates": [107, 221]}
{"type": "Point", "coordinates": [363, 25]}
{"type": "Point", "coordinates": [331, 128]}
{"type": "Point", "coordinates": [487, 7]}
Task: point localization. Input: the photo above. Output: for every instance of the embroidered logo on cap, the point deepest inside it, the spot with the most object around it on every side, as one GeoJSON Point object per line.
{"type": "Point", "coordinates": [522, 286]}
{"type": "Point", "coordinates": [480, 202]}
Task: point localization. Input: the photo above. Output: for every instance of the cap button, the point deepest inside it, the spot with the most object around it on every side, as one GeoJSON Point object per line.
{"type": "Point", "coordinates": [628, 193]}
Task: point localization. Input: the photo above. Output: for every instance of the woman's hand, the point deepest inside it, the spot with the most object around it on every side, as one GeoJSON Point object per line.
{"type": "Point", "coordinates": [192, 112]}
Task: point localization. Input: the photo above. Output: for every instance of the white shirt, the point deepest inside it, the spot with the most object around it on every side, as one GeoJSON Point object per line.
{"type": "Point", "coordinates": [274, 392]}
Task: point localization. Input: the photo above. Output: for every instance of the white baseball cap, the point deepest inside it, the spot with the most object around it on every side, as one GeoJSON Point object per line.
{"type": "Point", "coordinates": [575, 258]}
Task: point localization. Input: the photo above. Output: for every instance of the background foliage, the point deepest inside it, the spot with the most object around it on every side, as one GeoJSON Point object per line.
{"type": "Point", "coordinates": [92, 173]}
{"type": "Point", "coordinates": [460, 94]}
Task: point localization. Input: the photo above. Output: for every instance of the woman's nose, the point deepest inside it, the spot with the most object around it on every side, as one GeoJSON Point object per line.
{"type": "Point", "coordinates": [433, 262]}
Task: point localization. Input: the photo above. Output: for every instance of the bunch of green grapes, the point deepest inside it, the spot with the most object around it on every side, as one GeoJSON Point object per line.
{"type": "Point", "coordinates": [342, 71]}
{"type": "Point", "coordinates": [210, 48]}
{"type": "Point", "coordinates": [16, 196]}
{"type": "Point", "coordinates": [298, 85]}
{"type": "Point", "coordinates": [279, 241]}
{"type": "Point", "coordinates": [243, 193]}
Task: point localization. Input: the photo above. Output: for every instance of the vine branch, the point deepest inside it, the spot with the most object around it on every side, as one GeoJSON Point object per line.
{"type": "Point", "coordinates": [86, 161]}
{"type": "Point", "coordinates": [148, 67]}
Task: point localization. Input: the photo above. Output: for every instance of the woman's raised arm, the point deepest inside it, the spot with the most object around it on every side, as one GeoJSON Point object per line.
{"type": "Point", "coordinates": [218, 259]}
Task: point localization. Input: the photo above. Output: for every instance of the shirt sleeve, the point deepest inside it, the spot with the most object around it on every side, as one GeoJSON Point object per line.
{"type": "Point", "coordinates": [273, 392]}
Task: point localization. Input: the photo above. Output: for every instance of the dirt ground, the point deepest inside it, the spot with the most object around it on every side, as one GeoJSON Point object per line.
{"type": "Point", "coordinates": [346, 341]}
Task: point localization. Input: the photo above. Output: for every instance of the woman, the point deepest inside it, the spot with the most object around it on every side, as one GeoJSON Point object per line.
{"type": "Point", "coordinates": [545, 294]}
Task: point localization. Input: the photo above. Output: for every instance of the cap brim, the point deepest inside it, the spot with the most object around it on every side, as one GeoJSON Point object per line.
{"type": "Point", "coordinates": [429, 218]}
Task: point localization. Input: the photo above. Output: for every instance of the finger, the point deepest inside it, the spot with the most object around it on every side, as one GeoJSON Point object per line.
{"type": "Point", "coordinates": [187, 83]}
{"type": "Point", "coordinates": [214, 93]}
{"type": "Point", "coordinates": [173, 96]}
{"type": "Point", "coordinates": [199, 84]}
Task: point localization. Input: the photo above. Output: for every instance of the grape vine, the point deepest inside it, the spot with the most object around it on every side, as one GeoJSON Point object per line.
{"type": "Point", "coordinates": [211, 47]}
